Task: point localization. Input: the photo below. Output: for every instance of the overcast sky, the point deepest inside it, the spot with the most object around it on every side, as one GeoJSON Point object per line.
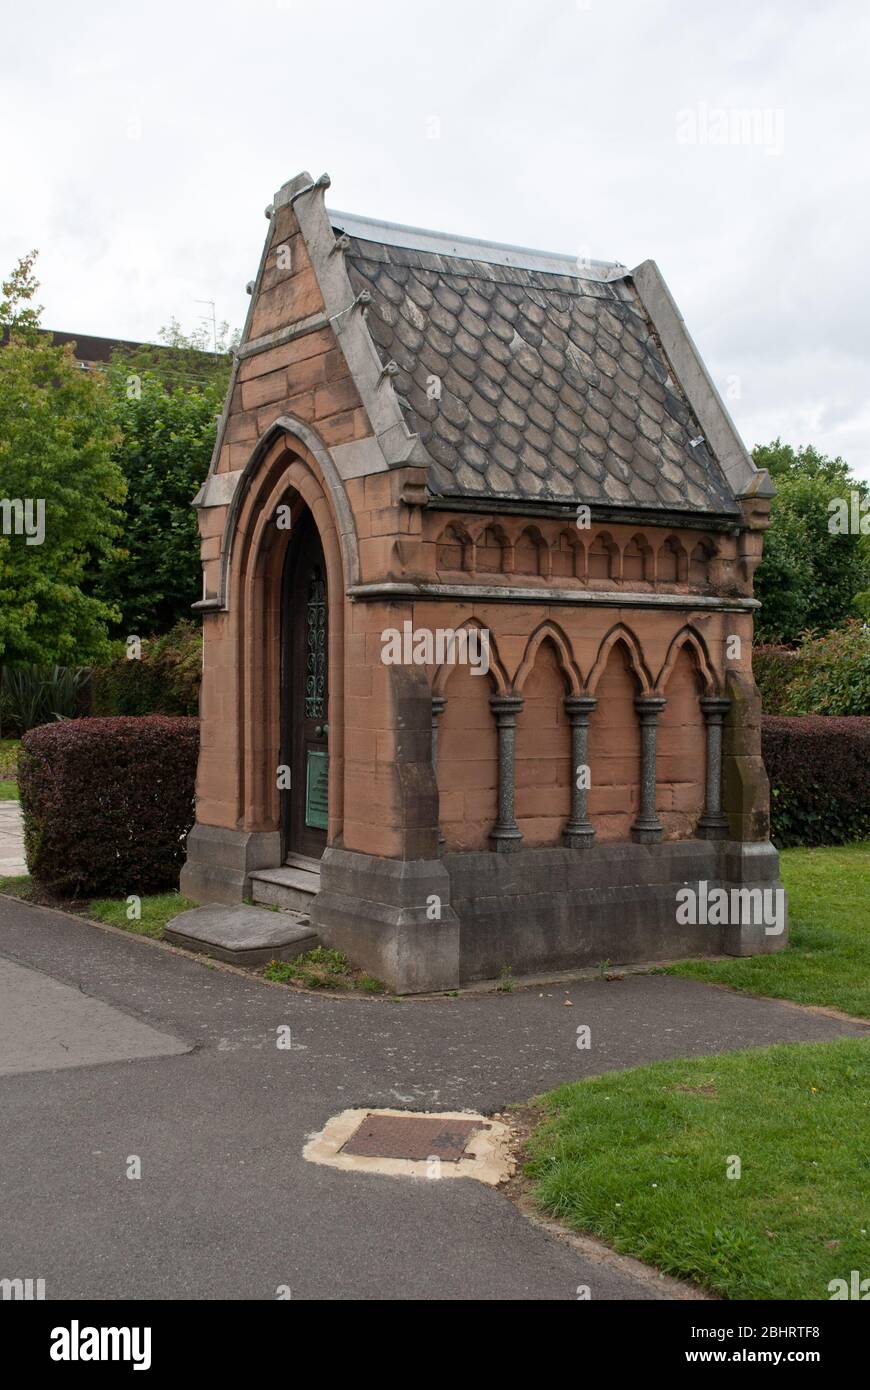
{"type": "Point", "coordinates": [141, 144]}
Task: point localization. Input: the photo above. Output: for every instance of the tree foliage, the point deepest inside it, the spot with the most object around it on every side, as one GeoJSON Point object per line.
{"type": "Point", "coordinates": [57, 432]}
{"type": "Point", "coordinates": [784, 461]}
{"type": "Point", "coordinates": [166, 432]}
{"type": "Point", "coordinates": [810, 577]}
{"type": "Point", "coordinates": [196, 359]}
{"type": "Point", "coordinates": [18, 317]}
{"type": "Point", "coordinates": [831, 674]}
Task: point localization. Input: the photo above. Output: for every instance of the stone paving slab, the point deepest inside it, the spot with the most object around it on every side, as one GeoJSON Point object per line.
{"type": "Point", "coordinates": [242, 935]}
{"type": "Point", "coordinates": [12, 861]}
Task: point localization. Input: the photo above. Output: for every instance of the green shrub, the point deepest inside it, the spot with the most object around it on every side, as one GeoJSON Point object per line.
{"type": "Point", "coordinates": [33, 695]}
{"type": "Point", "coordinates": [773, 668]}
{"type": "Point", "coordinates": [164, 680]}
{"type": "Point", "coordinates": [832, 674]}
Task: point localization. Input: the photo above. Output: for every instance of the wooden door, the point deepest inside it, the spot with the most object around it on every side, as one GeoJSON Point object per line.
{"type": "Point", "coordinates": [305, 682]}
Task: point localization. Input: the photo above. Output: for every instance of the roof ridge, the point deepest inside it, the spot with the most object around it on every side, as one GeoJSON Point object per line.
{"type": "Point", "coordinates": [473, 248]}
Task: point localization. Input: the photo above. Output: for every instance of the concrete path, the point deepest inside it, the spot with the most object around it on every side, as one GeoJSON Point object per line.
{"type": "Point", "coordinates": [12, 861]}
{"type": "Point", "coordinates": [45, 1025]}
{"type": "Point", "coordinates": [225, 1206]}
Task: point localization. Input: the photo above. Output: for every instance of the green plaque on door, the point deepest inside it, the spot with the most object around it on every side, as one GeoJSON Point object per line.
{"type": "Point", "coordinates": [316, 794]}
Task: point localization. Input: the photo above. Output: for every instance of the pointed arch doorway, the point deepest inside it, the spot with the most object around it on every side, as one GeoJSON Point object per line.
{"type": "Point", "coordinates": [304, 693]}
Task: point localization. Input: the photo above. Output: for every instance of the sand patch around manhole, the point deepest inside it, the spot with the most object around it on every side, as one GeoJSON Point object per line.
{"type": "Point", "coordinates": [487, 1156]}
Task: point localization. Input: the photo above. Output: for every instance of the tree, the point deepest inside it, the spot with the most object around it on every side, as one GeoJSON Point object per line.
{"type": "Point", "coordinates": [166, 412]}
{"type": "Point", "coordinates": [783, 461]}
{"type": "Point", "coordinates": [182, 359]}
{"type": "Point", "coordinates": [60, 490]}
{"type": "Point", "coordinates": [17, 315]}
{"type": "Point", "coordinates": [811, 577]}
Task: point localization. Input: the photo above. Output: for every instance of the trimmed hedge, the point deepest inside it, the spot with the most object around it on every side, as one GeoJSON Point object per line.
{"type": "Point", "coordinates": [819, 770]}
{"type": "Point", "coordinates": [108, 803]}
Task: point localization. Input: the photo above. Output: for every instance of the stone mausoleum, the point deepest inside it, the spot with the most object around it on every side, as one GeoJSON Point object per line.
{"type": "Point", "coordinates": [478, 545]}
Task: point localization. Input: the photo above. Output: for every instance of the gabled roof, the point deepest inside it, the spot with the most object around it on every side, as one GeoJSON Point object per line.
{"type": "Point", "coordinates": [530, 377]}
{"type": "Point", "coordinates": [518, 379]}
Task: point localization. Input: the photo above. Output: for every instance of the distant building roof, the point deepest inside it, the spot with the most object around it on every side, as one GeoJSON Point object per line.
{"type": "Point", "coordinates": [89, 348]}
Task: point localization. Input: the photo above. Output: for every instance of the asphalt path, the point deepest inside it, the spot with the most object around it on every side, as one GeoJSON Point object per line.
{"type": "Point", "coordinates": [114, 1049]}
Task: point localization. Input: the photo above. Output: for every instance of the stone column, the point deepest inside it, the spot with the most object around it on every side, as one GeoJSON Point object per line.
{"type": "Point", "coordinates": [439, 703]}
{"type": "Point", "coordinates": [745, 786]}
{"type": "Point", "coordinates": [647, 829]}
{"type": "Point", "coordinates": [506, 834]}
{"type": "Point", "coordinates": [713, 824]}
{"type": "Point", "coordinates": [579, 830]}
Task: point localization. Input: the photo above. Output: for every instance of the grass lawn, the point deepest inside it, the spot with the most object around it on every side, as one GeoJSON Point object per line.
{"type": "Point", "coordinates": [640, 1158]}
{"type": "Point", "coordinates": [156, 908]}
{"type": "Point", "coordinates": [9, 756]}
{"type": "Point", "coordinates": [828, 959]}
{"type": "Point", "coordinates": [17, 885]}
{"type": "Point", "coordinates": [8, 763]}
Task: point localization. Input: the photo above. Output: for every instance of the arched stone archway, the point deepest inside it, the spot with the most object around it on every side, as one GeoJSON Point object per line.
{"type": "Point", "coordinates": [288, 487]}
{"type": "Point", "coordinates": [239, 814]}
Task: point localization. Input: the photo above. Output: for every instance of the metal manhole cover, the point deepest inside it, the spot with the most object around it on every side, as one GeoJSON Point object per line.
{"type": "Point", "coordinates": [412, 1136]}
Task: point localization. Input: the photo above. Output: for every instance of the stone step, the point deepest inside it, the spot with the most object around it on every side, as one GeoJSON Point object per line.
{"type": "Point", "coordinates": [289, 887]}
{"type": "Point", "coordinates": [303, 861]}
{"type": "Point", "coordinates": [242, 935]}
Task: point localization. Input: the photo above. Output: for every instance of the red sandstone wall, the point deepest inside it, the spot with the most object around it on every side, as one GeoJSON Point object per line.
{"type": "Point", "coordinates": [467, 762]}
{"type": "Point", "coordinates": [682, 753]}
{"type": "Point", "coordinates": [614, 751]}
{"type": "Point", "coordinates": [543, 758]}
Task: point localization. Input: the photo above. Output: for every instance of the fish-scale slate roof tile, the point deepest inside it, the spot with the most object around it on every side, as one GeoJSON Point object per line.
{"type": "Point", "coordinates": [549, 387]}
